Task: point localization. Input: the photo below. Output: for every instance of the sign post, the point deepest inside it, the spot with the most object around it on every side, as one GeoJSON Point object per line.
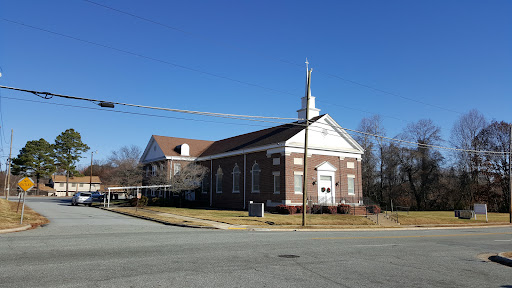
{"type": "Point", "coordinates": [481, 209]}
{"type": "Point", "coordinates": [25, 184]}
{"type": "Point", "coordinates": [139, 195]}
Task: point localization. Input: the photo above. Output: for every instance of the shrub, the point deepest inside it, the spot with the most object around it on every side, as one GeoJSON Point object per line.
{"type": "Point", "coordinates": [316, 209]}
{"type": "Point", "coordinates": [143, 201]}
{"type": "Point", "coordinates": [330, 209]}
{"type": "Point", "coordinates": [343, 209]}
{"type": "Point", "coordinates": [285, 209]}
{"type": "Point", "coordinates": [155, 201]}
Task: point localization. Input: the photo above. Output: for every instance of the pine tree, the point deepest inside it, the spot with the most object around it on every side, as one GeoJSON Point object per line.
{"type": "Point", "coordinates": [35, 159]}
{"type": "Point", "coordinates": [68, 149]}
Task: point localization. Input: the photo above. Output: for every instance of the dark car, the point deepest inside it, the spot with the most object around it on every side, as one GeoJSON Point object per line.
{"type": "Point", "coordinates": [97, 195]}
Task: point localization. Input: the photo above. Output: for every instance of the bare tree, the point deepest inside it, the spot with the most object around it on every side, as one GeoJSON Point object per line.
{"type": "Point", "coordinates": [372, 164]}
{"type": "Point", "coordinates": [494, 176]}
{"type": "Point", "coordinates": [188, 179]}
{"type": "Point", "coordinates": [463, 136]}
{"type": "Point", "coordinates": [422, 165]}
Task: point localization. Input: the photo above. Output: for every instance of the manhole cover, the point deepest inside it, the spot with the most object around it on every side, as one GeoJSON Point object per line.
{"type": "Point", "coordinates": [289, 256]}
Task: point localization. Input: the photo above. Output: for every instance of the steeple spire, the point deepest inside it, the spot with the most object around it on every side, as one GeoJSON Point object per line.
{"type": "Point", "coordinates": [313, 112]}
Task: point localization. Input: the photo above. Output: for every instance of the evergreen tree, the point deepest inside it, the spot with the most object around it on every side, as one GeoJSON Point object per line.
{"type": "Point", "coordinates": [35, 159]}
{"type": "Point", "coordinates": [68, 150]}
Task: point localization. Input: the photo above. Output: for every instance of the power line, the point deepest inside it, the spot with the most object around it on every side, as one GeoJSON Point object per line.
{"type": "Point", "coordinates": [200, 71]}
{"type": "Point", "coordinates": [149, 58]}
{"type": "Point", "coordinates": [48, 95]}
{"type": "Point", "coordinates": [411, 143]}
{"type": "Point", "coordinates": [277, 59]}
{"type": "Point", "coordinates": [136, 113]}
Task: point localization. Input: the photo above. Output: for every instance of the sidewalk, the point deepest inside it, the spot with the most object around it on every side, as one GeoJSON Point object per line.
{"type": "Point", "coordinates": [184, 221]}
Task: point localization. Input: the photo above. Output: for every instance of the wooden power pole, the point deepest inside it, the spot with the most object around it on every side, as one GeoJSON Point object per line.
{"type": "Point", "coordinates": [9, 170]}
{"type": "Point", "coordinates": [510, 174]}
{"type": "Point", "coordinates": [304, 174]}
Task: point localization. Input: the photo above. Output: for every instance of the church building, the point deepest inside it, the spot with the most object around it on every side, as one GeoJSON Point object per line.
{"type": "Point", "coordinates": [266, 166]}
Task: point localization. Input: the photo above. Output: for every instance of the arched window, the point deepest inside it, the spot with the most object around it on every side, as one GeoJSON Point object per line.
{"type": "Point", "coordinates": [255, 178]}
{"type": "Point", "coordinates": [218, 183]}
{"type": "Point", "coordinates": [236, 179]}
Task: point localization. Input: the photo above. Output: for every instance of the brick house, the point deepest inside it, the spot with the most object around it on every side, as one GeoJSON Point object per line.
{"type": "Point", "coordinates": [266, 166]}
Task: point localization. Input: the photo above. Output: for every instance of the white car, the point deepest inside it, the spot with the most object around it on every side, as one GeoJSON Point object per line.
{"type": "Point", "coordinates": [81, 198]}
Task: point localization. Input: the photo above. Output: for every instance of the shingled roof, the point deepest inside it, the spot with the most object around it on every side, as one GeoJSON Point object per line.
{"type": "Point", "coordinates": [259, 138]}
{"type": "Point", "coordinates": [83, 179]}
{"type": "Point", "coordinates": [203, 148]}
{"type": "Point", "coordinates": [169, 144]}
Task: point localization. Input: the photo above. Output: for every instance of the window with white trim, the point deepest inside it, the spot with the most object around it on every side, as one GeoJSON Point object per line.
{"type": "Point", "coordinates": [255, 183]}
{"type": "Point", "coordinates": [61, 184]}
{"type": "Point", "coordinates": [236, 179]}
{"type": "Point", "coordinates": [218, 179]}
{"type": "Point", "coordinates": [153, 170]}
{"type": "Point", "coordinates": [177, 168]}
{"type": "Point", "coordinates": [297, 182]}
{"type": "Point", "coordinates": [351, 184]}
{"type": "Point", "coordinates": [73, 184]}
{"type": "Point", "coordinates": [81, 184]}
{"type": "Point", "coordinates": [350, 165]}
{"type": "Point", "coordinates": [277, 182]}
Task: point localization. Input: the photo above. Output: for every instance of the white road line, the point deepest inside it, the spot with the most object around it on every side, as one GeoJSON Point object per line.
{"type": "Point", "coordinates": [377, 245]}
{"type": "Point", "coordinates": [503, 240]}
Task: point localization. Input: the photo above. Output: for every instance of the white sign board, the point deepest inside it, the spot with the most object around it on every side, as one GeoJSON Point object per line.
{"type": "Point", "coordinates": [481, 209]}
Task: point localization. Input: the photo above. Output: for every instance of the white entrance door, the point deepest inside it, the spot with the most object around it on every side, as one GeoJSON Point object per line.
{"type": "Point", "coordinates": [325, 191]}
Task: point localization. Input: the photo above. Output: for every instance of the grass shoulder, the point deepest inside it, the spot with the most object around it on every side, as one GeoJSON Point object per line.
{"type": "Point", "coordinates": [447, 218]}
{"type": "Point", "coordinates": [269, 220]}
{"type": "Point", "coordinates": [11, 218]}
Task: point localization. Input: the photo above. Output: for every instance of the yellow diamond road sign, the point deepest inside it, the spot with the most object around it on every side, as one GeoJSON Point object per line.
{"type": "Point", "coordinates": [26, 183]}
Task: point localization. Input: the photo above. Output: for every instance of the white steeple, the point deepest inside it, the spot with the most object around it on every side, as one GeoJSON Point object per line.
{"type": "Point", "coordinates": [313, 111]}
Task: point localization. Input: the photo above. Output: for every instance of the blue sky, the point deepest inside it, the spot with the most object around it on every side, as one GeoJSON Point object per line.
{"type": "Point", "coordinates": [404, 60]}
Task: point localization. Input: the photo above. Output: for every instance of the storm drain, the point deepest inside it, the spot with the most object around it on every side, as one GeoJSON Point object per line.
{"type": "Point", "coordinates": [288, 256]}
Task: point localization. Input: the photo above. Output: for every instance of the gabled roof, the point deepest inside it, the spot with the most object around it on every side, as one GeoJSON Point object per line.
{"type": "Point", "coordinates": [169, 144]}
{"type": "Point", "coordinates": [84, 179]}
{"type": "Point", "coordinates": [266, 137]}
{"type": "Point", "coordinates": [259, 138]}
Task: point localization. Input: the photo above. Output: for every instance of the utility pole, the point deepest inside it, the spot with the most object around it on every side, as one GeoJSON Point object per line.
{"type": "Point", "coordinates": [510, 174]}
{"type": "Point", "coordinates": [9, 170]}
{"type": "Point", "coordinates": [5, 177]}
{"type": "Point", "coordinates": [90, 178]}
{"type": "Point", "coordinates": [304, 179]}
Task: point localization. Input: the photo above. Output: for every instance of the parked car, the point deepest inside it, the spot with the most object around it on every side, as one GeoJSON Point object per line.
{"type": "Point", "coordinates": [81, 198]}
{"type": "Point", "coordinates": [97, 195]}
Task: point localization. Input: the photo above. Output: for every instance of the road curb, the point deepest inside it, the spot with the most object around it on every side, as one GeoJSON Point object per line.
{"type": "Point", "coordinates": [156, 220]}
{"type": "Point", "coordinates": [500, 258]}
{"type": "Point", "coordinates": [17, 229]}
{"type": "Point", "coordinates": [249, 228]}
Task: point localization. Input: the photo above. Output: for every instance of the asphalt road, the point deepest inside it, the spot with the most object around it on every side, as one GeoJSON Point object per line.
{"type": "Point", "coordinates": [88, 247]}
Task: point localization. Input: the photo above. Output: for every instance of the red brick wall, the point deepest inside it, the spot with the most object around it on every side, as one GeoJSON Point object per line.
{"type": "Point", "coordinates": [341, 189]}
{"type": "Point", "coordinates": [228, 199]}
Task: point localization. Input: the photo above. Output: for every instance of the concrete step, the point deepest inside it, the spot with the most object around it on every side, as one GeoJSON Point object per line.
{"type": "Point", "coordinates": [382, 220]}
